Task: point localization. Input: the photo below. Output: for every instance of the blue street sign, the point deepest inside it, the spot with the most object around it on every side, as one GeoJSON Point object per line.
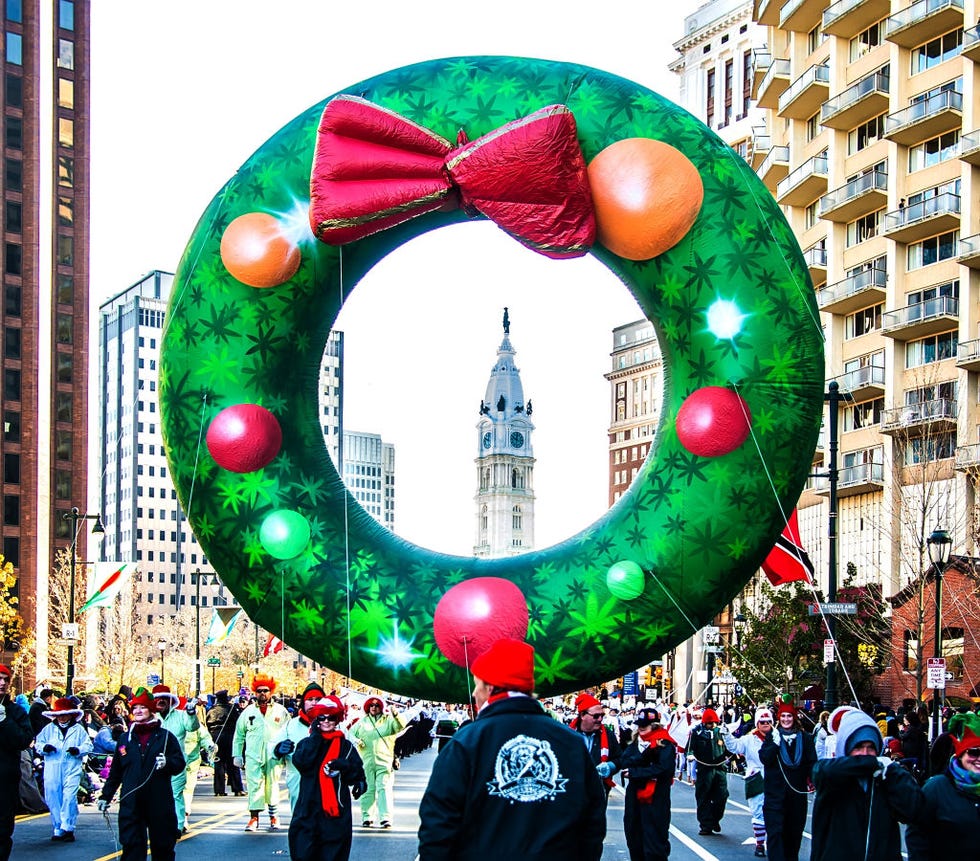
{"type": "Point", "coordinates": [153, 679]}
{"type": "Point", "coordinates": [630, 684]}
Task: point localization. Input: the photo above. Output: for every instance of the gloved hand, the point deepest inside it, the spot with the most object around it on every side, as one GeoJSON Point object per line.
{"type": "Point", "coordinates": [606, 769]}
{"type": "Point", "coordinates": [73, 751]}
{"type": "Point", "coordinates": [238, 762]}
{"type": "Point", "coordinates": [341, 766]}
{"type": "Point", "coordinates": [48, 748]}
{"type": "Point", "coordinates": [161, 761]}
{"type": "Point", "coordinates": [191, 704]}
{"type": "Point", "coordinates": [723, 729]}
{"type": "Point", "coordinates": [102, 804]}
{"type": "Point", "coordinates": [885, 762]}
{"type": "Point", "coordinates": [284, 748]}
{"type": "Point", "coordinates": [358, 789]}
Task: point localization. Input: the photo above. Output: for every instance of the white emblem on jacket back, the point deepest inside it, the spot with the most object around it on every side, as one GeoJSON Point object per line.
{"type": "Point", "coordinates": [526, 770]}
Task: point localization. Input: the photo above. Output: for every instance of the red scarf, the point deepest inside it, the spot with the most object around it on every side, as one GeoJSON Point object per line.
{"type": "Point", "coordinates": [328, 792]}
{"type": "Point", "coordinates": [645, 793]}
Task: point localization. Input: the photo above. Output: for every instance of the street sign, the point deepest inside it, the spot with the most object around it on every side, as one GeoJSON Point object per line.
{"type": "Point", "coordinates": [631, 683]}
{"type": "Point", "coordinates": [153, 679]}
{"type": "Point", "coordinates": [828, 651]}
{"type": "Point", "coordinates": [214, 662]}
{"type": "Point", "coordinates": [833, 608]}
{"type": "Point", "coordinates": [69, 631]}
{"type": "Point", "coordinates": [936, 673]}
{"type": "Point", "coordinates": [710, 634]}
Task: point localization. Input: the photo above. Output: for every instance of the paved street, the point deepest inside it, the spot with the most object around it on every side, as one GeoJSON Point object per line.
{"type": "Point", "coordinates": [217, 828]}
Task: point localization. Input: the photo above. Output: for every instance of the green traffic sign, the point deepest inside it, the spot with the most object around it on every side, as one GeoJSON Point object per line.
{"type": "Point", "coordinates": [214, 662]}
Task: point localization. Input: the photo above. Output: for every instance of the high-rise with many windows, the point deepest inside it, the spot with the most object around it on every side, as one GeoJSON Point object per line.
{"type": "Point", "coordinates": [44, 386]}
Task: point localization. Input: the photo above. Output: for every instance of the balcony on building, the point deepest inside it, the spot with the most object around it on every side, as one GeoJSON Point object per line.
{"type": "Point", "coordinates": [805, 94]}
{"type": "Point", "coordinates": [971, 44]}
{"type": "Point", "coordinates": [774, 84]}
{"type": "Point", "coordinates": [766, 12]}
{"type": "Point", "coordinates": [761, 62]}
{"type": "Point", "coordinates": [847, 17]}
{"type": "Point", "coordinates": [801, 16]}
{"type": "Point", "coordinates": [921, 319]}
{"type": "Point", "coordinates": [852, 294]}
{"type": "Point", "coordinates": [968, 458]}
{"type": "Point", "coordinates": [923, 21]}
{"type": "Point", "coordinates": [968, 251]}
{"type": "Point", "coordinates": [864, 383]}
{"type": "Point", "coordinates": [774, 167]}
{"type": "Point", "coordinates": [861, 196]}
{"type": "Point", "coordinates": [916, 419]}
{"type": "Point", "coordinates": [761, 145]}
{"type": "Point", "coordinates": [923, 219]}
{"type": "Point", "coordinates": [852, 480]}
{"type": "Point", "coordinates": [968, 355]}
{"type": "Point", "coordinates": [970, 148]}
{"type": "Point", "coordinates": [926, 119]}
{"type": "Point", "coordinates": [816, 262]}
{"type": "Point", "coordinates": [805, 184]}
{"type": "Point", "coordinates": [861, 101]}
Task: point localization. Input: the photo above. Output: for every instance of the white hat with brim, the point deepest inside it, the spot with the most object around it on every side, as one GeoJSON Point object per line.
{"type": "Point", "coordinates": [162, 692]}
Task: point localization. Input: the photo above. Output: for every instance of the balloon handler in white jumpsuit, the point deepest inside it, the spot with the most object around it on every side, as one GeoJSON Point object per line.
{"type": "Point", "coordinates": [63, 743]}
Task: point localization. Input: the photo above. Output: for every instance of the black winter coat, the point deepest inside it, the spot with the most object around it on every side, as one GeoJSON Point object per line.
{"type": "Point", "coordinates": [15, 736]}
{"type": "Point", "coordinates": [514, 783]}
{"type": "Point", "coordinates": [647, 825]}
{"type": "Point", "coordinates": [949, 824]}
{"type": "Point", "coordinates": [854, 823]}
{"type": "Point", "coordinates": [314, 836]}
{"type": "Point", "coordinates": [786, 782]}
{"type": "Point", "coordinates": [221, 720]}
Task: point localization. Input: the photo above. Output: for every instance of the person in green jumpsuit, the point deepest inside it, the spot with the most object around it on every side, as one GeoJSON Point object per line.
{"type": "Point", "coordinates": [179, 722]}
{"type": "Point", "coordinates": [257, 726]}
{"type": "Point", "coordinates": [374, 734]}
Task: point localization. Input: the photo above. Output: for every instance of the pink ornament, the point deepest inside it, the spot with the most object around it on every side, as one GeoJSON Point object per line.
{"type": "Point", "coordinates": [713, 421]}
{"type": "Point", "coordinates": [476, 613]}
{"type": "Point", "coordinates": [244, 437]}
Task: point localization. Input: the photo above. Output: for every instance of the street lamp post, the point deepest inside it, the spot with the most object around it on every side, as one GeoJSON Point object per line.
{"type": "Point", "coordinates": [939, 547]}
{"type": "Point", "coordinates": [196, 579]}
{"type": "Point", "coordinates": [74, 516]}
{"type": "Point", "coordinates": [162, 646]}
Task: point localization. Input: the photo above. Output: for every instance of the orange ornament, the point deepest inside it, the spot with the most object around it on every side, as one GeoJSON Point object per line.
{"type": "Point", "coordinates": [646, 195]}
{"type": "Point", "coordinates": [255, 250]}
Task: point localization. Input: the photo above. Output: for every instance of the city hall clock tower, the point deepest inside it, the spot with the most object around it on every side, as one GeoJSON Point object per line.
{"type": "Point", "coordinates": [505, 461]}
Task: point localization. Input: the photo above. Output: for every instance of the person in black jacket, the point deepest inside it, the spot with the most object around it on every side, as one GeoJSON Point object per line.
{"type": "Point", "coordinates": [788, 754]}
{"type": "Point", "coordinates": [861, 795]}
{"type": "Point", "coordinates": [707, 747]}
{"type": "Point", "coordinates": [601, 741]}
{"type": "Point", "coordinates": [950, 823]}
{"type": "Point", "coordinates": [648, 763]}
{"type": "Point", "coordinates": [146, 757]}
{"type": "Point", "coordinates": [514, 783]}
{"type": "Point", "coordinates": [330, 772]}
{"type": "Point", "coordinates": [42, 703]}
{"type": "Point", "coordinates": [221, 720]}
{"type": "Point", "coordinates": [15, 736]}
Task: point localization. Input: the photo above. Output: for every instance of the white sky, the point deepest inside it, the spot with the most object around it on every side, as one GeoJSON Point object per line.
{"type": "Point", "coordinates": [183, 92]}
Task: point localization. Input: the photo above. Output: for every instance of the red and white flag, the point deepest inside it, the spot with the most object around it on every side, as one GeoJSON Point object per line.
{"type": "Point", "coordinates": [272, 645]}
{"type": "Point", "coordinates": [788, 562]}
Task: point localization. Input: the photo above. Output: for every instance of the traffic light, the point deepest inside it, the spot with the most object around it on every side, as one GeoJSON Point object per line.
{"type": "Point", "coordinates": [648, 676]}
{"type": "Point", "coordinates": [659, 672]}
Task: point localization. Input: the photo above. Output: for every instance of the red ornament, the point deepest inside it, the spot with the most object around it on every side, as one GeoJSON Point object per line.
{"type": "Point", "coordinates": [476, 613]}
{"type": "Point", "coordinates": [244, 437]}
{"type": "Point", "coordinates": [713, 421]}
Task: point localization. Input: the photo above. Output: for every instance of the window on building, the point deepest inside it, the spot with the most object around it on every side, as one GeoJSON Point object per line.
{"type": "Point", "coordinates": [13, 258]}
{"type": "Point", "coordinates": [11, 468]}
{"type": "Point", "coordinates": [709, 105]}
{"type": "Point", "coordinates": [862, 322]}
{"type": "Point", "coordinates": [933, 250]}
{"type": "Point", "coordinates": [930, 448]}
{"type": "Point", "coordinates": [66, 289]}
{"type": "Point", "coordinates": [62, 484]}
{"type": "Point", "coordinates": [66, 93]}
{"type": "Point", "coordinates": [11, 426]}
{"type": "Point", "coordinates": [15, 11]}
{"type": "Point", "coordinates": [66, 54]}
{"type": "Point", "coordinates": [15, 50]}
{"type": "Point", "coordinates": [935, 151]}
{"type": "Point", "coordinates": [13, 216]}
{"type": "Point", "coordinates": [11, 342]}
{"type": "Point", "coordinates": [746, 83]}
{"type": "Point", "coordinates": [66, 249]}
{"type": "Point", "coordinates": [66, 211]}
{"type": "Point", "coordinates": [11, 510]}
{"type": "Point", "coordinates": [517, 518]}
{"type": "Point", "coordinates": [14, 93]}
{"type": "Point", "coordinates": [66, 132]}
{"type": "Point", "coordinates": [911, 661]}
{"type": "Point", "coordinates": [866, 134]}
{"type": "Point", "coordinates": [63, 405]}
{"type": "Point", "coordinates": [65, 366]}
{"type": "Point", "coordinates": [863, 415]}
{"type": "Point", "coordinates": [866, 41]}
{"type": "Point", "coordinates": [66, 14]}
{"type": "Point", "coordinates": [65, 328]}
{"type": "Point", "coordinates": [937, 51]}
{"type": "Point", "coordinates": [66, 171]}
{"type": "Point", "coordinates": [953, 651]}
{"type": "Point", "coordinates": [935, 348]}
{"type": "Point", "coordinates": [14, 174]}
{"type": "Point", "coordinates": [729, 90]}
{"type": "Point", "coordinates": [863, 228]}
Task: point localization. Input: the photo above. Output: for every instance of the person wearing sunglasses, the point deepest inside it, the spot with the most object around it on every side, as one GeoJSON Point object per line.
{"type": "Point", "coordinates": [949, 823]}
{"type": "Point", "coordinates": [330, 773]}
{"type": "Point", "coordinates": [257, 726]}
{"type": "Point", "coordinates": [600, 740]}
{"type": "Point", "coordinates": [749, 746]}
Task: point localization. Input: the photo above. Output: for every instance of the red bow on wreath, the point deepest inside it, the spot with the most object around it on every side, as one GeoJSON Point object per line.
{"type": "Point", "coordinates": [374, 169]}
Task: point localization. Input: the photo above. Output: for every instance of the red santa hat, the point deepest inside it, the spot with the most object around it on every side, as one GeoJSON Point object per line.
{"type": "Point", "coordinates": [785, 708]}
{"type": "Point", "coordinates": [62, 708]}
{"type": "Point", "coordinates": [508, 664]}
{"type": "Point", "coordinates": [163, 692]}
{"type": "Point", "coordinates": [5, 671]}
{"type": "Point", "coordinates": [584, 702]}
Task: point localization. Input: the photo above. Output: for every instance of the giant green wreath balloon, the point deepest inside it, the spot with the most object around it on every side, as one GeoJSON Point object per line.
{"type": "Point", "coordinates": [737, 324]}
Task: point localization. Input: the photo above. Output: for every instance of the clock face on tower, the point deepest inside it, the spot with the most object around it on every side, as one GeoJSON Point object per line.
{"type": "Point", "coordinates": [487, 439]}
{"type": "Point", "coordinates": [517, 440]}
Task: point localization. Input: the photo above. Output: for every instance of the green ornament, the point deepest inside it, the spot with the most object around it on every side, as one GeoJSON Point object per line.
{"type": "Point", "coordinates": [285, 534]}
{"type": "Point", "coordinates": [625, 580]}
